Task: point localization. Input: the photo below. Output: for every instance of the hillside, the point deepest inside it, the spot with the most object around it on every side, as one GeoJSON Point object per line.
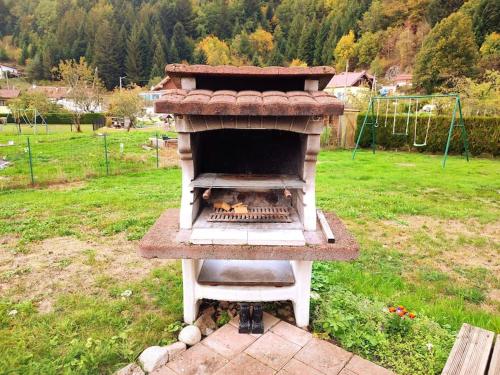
{"type": "Point", "coordinates": [137, 38]}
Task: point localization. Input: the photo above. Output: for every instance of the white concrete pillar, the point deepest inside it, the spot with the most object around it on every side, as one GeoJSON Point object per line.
{"type": "Point", "coordinates": [311, 85]}
{"type": "Point", "coordinates": [309, 198]}
{"type": "Point", "coordinates": [186, 216]}
{"type": "Point", "coordinates": [189, 279]}
{"type": "Point", "coordinates": [302, 270]}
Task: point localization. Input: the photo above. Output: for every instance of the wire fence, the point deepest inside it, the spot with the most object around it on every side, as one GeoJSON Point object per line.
{"type": "Point", "coordinates": [40, 160]}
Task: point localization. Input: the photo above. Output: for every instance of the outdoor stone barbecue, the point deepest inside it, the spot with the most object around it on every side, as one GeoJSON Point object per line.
{"type": "Point", "coordinates": [248, 228]}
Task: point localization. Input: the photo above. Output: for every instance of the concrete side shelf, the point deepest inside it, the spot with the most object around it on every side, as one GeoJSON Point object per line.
{"type": "Point", "coordinates": [161, 242]}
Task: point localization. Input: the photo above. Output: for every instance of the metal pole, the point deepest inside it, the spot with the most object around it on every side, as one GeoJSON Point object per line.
{"type": "Point", "coordinates": [370, 109]}
{"type": "Point", "coordinates": [106, 154]}
{"type": "Point", "coordinates": [464, 130]}
{"type": "Point", "coordinates": [30, 162]}
{"type": "Point", "coordinates": [157, 152]}
{"type": "Point", "coordinates": [450, 131]}
{"type": "Point", "coordinates": [373, 129]}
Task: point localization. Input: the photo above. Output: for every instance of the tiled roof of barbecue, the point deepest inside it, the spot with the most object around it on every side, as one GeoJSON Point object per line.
{"type": "Point", "coordinates": [322, 73]}
{"type": "Point", "coordinates": [174, 70]}
{"type": "Point", "coordinates": [249, 103]}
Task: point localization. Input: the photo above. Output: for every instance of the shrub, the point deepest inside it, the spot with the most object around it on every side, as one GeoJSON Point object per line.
{"type": "Point", "coordinates": [368, 328]}
{"type": "Point", "coordinates": [483, 134]}
{"type": "Point", "coordinates": [64, 118]}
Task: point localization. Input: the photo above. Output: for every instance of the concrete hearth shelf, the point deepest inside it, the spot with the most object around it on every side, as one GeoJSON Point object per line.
{"type": "Point", "coordinates": [162, 241]}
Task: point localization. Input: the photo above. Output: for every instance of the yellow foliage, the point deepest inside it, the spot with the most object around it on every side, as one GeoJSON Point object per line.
{"type": "Point", "coordinates": [297, 62]}
{"type": "Point", "coordinates": [345, 49]}
{"type": "Point", "coordinates": [262, 41]}
{"type": "Point", "coordinates": [216, 51]}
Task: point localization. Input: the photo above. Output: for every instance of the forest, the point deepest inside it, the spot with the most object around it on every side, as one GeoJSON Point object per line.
{"type": "Point", "coordinates": [436, 40]}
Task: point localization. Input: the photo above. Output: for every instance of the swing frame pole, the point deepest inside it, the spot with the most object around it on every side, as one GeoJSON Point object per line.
{"type": "Point", "coordinates": [365, 122]}
{"type": "Point", "coordinates": [465, 138]}
{"type": "Point", "coordinates": [463, 135]}
{"type": "Point", "coordinates": [457, 109]}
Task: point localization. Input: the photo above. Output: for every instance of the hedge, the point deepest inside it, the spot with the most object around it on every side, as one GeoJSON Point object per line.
{"type": "Point", "coordinates": [64, 118]}
{"type": "Point", "coordinates": [483, 134]}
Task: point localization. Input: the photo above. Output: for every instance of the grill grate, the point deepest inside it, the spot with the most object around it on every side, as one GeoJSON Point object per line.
{"type": "Point", "coordinates": [254, 215]}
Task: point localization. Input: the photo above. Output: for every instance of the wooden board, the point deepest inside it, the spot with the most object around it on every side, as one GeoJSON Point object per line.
{"type": "Point", "coordinates": [246, 272]}
{"type": "Point", "coordinates": [495, 359]}
{"type": "Point", "coordinates": [325, 227]}
{"type": "Point", "coordinates": [234, 181]}
{"type": "Point", "coordinates": [470, 353]}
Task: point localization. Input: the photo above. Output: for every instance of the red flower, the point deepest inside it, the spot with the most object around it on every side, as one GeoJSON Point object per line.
{"type": "Point", "coordinates": [392, 309]}
{"type": "Point", "coordinates": [411, 315]}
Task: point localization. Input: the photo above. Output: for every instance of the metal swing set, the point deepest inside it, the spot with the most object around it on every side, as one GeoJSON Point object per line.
{"type": "Point", "coordinates": [29, 116]}
{"type": "Point", "coordinates": [372, 119]}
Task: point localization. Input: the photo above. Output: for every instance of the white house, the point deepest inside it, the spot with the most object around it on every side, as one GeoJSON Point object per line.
{"type": "Point", "coordinates": [8, 71]}
{"type": "Point", "coordinates": [348, 84]}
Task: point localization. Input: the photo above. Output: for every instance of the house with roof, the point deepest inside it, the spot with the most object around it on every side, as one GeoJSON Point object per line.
{"type": "Point", "coordinates": [348, 84]}
{"type": "Point", "coordinates": [8, 94]}
{"type": "Point", "coordinates": [403, 79]}
{"type": "Point", "coordinates": [8, 71]}
{"type": "Point", "coordinates": [165, 84]}
{"type": "Point", "coordinates": [60, 95]}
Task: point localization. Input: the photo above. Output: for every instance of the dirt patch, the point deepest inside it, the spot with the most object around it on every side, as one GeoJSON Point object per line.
{"type": "Point", "coordinates": [446, 245]}
{"type": "Point", "coordinates": [64, 186]}
{"type": "Point", "coordinates": [67, 264]}
{"type": "Point", "coordinates": [169, 157]}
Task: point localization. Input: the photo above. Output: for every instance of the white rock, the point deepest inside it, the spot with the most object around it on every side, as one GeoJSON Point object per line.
{"type": "Point", "coordinates": [126, 293]}
{"type": "Point", "coordinates": [153, 358]}
{"type": "Point", "coordinates": [190, 335]}
{"type": "Point", "coordinates": [175, 350]}
{"type": "Point", "coordinates": [131, 369]}
{"type": "Point", "coordinates": [12, 312]}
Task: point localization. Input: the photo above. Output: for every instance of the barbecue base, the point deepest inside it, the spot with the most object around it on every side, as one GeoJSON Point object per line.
{"type": "Point", "coordinates": [254, 282]}
{"type": "Point", "coordinates": [298, 293]}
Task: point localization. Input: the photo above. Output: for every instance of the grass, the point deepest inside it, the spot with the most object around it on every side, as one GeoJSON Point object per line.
{"type": "Point", "coordinates": [428, 236]}
{"type": "Point", "coordinates": [65, 156]}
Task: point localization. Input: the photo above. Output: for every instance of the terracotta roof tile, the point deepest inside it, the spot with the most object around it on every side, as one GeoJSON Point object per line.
{"type": "Point", "coordinates": [249, 103]}
{"type": "Point", "coordinates": [175, 70]}
{"type": "Point", "coordinates": [9, 93]}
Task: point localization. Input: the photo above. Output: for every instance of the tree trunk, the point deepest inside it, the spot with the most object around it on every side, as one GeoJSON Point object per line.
{"type": "Point", "coordinates": [77, 124]}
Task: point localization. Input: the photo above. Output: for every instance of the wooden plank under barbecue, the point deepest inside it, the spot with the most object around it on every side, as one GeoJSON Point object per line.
{"type": "Point", "coordinates": [246, 273]}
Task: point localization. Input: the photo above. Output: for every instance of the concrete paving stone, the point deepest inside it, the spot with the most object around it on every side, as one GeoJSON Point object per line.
{"type": "Point", "coordinates": [164, 370]}
{"type": "Point", "coordinates": [268, 319]}
{"type": "Point", "coordinates": [243, 364]}
{"type": "Point", "coordinates": [295, 367]}
{"type": "Point", "coordinates": [323, 356]}
{"type": "Point", "coordinates": [272, 350]}
{"type": "Point", "coordinates": [361, 366]}
{"type": "Point", "coordinates": [292, 333]}
{"type": "Point", "coordinates": [198, 360]}
{"type": "Point", "coordinates": [228, 342]}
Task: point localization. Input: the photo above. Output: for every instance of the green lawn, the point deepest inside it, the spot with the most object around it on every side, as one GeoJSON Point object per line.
{"type": "Point", "coordinates": [65, 156]}
{"type": "Point", "coordinates": [429, 240]}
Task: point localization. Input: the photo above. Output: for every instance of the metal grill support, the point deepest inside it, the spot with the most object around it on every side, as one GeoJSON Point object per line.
{"type": "Point", "coordinates": [254, 215]}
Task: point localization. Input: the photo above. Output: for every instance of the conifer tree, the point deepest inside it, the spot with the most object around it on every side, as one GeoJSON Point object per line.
{"type": "Point", "coordinates": [106, 54]}
{"type": "Point", "coordinates": [134, 61]}
{"type": "Point", "coordinates": [181, 43]}
{"type": "Point", "coordinates": [294, 36]}
{"type": "Point", "coordinates": [307, 43]}
{"type": "Point", "coordinates": [159, 59]}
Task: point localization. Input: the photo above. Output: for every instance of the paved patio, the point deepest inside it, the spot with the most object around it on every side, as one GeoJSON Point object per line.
{"type": "Point", "coordinates": [283, 349]}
